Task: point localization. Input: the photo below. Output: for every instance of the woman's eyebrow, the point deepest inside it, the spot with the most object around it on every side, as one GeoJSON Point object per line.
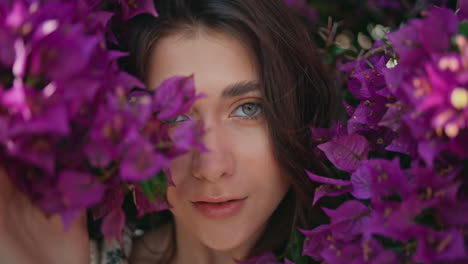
{"type": "Point", "coordinates": [240, 88]}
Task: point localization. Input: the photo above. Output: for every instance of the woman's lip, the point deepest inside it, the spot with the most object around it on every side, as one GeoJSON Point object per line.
{"type": "Point", "coordinates": [219, 209]}
{"type": "Point", "coordinates": [219, 199]}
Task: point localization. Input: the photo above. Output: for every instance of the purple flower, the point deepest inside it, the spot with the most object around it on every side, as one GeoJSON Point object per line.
{"type": "Point", "coordinates": [440, 246]}
{"type": "Point", "coordinates": [358, 252]}
{"type": "Point", "coordinates": [110, 209]}
{"type": "Point", "coordinates": [406, 42]}
{"type": "Point", "coordinates": [455, 215]}
{"type": "Point", "coordinates": [187, 137]}
{"type": "Point", "coordinates": [116, 121]}
{"type": "Point", "coordinates": [316, 241]}
{"type": "Point", "coordinates": [340, 253]}
{"type": "Point", "coordinates": [346, 152]}
{"type": "Point", "coordinates": [379, 139]}
{"type": "Point", "coordinates": [393, 115]}
{"type": "Point", "coordinates": [79, 192]}
{"type": "Point", "coordinates": [348, 220]}
{"type": "Point", "coordinates": [71, 194]}
{"type": "Point", "coordinates": [140, 105]}
{"type": "Point", "coordinates": [7, 50]}
{"type": "Point", "coordinates": [463, 9]}
{"type": "Point", "coordinates": [49, 119]}
{"type": "Point", "coordinates": [418, 108]}
{"type": "Point", "coordinates": [348, 108]}
{"type": "Point", "coordinates": [106, 136]}
{"type": "Point", "coordinates": [35, 150]}
{"type": "Point", "coordinates": [113, 224]}
{"type": "Point", "coordinates": [441, 22]}
{"type": "Point", "coordinates": [17, 14]}
{"type": "Point", "coordinates": [51, 54]}
{"type": "Point", "coordinates": [16, 101]}
{"type": "Point", "coordinates": [140, 160]}
{"type": "Point", "coordinates": [395, 219]}
{"type": "Point", "coordinates": [174, 97]}
{"type": "Point", "coordinates": [145, 206]}
{"type": "Point", "coordinates": [99, 154]}
{"type": "Point", "coordinates": [331, 187]}
{"type": "Point", "coordinates": [435, 188]}
{"type": "Point", "coordinates": [368, 114]}
{"type": "Point", "coordinates": [372, 252]}
{"type": "Point", "coordinates": [416, 41]}
{"type": "Point", "coordinates": [378, 179]}
{"type": "Point", "coordinates": [429, 150]}
{"type": "Point", "coordinates": [69, 128]}
{"type": "Point", "coordinates": [131, 8]}
{"type": "Point", "coordinates": [394, 78]}
{"type": "Point", "coordinates": [404, 143]}
{"type": "Point", "coordinates": [456, 145]}
{"type": "Point", "coordinates": [113, 199]}
{"type": "Point", "coordinates": [322, 135]}
{"type": "Point", "coordinates": [363, 81]}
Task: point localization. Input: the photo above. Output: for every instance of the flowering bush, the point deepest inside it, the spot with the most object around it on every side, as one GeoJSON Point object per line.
{"type": "Point", "coordinates": [403, 150]}
{"type": "Point", "coordinates": [75, 130]}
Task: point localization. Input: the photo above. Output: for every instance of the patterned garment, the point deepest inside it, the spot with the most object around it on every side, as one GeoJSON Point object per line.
{"type": "Point", "coordinates": [112, 252]}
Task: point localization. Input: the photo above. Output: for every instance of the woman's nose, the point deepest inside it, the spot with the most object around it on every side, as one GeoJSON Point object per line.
{"type": "Point", "coordinates": [218, 161]}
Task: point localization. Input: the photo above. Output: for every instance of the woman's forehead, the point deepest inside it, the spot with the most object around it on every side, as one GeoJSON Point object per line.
{"type": "Point", "coordinates": [217, 60]}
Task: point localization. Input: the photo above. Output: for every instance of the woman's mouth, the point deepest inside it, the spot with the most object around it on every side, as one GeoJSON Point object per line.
{"type": "Point", "coordinates": [224, 209]}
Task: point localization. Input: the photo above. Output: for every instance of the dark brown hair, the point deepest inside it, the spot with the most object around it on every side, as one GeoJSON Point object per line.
{"type": "Point", "coordinates": [293, 80]}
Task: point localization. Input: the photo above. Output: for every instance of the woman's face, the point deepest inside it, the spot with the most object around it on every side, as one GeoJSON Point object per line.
{"type": "Point", "coordinates": [223, 197]}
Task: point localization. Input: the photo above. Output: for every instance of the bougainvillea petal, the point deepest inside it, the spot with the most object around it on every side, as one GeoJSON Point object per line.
{"type": "Point", "coordinates": [316, 241]}
{"type": "Point", "coordinates": [174, 96]}
{"type": "Point", "coordinates": [440, 246]}
{"type": "Point", "coordinates": [144, 205]}
{"type": "Point", "coordinates": [141, 161]}
{"type": "Point", "coordinates": [113, 224]}
{"type": "Point", "coordinates": [346, 152]}
{"type": "Point", "coordinates": [131, 8]}
{"type": "Point", "coordinates": [331, 187]}
{"type": "Point", "coordinates": [73, 135]}
{"type": "Point", "coordinates": [348, 220]}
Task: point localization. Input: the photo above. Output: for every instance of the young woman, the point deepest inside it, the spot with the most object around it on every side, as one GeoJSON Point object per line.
{"type": "Point", "coordinates": [264, 85]}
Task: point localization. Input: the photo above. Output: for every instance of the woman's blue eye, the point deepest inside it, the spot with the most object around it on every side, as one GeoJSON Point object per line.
{"type": "Point", "coordinates": [178, 119]}
{"type": "Point", "coordinates": [249, 110]}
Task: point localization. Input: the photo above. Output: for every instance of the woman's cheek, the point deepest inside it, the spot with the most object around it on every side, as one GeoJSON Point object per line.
{"type": "Point", "coordinates": [251, 142]}
{"type": "Point", "coordinates": [180, 167]}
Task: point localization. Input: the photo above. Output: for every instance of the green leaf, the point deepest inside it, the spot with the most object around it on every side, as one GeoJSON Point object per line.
{"type": "Point", "coordinates": [161, 184]}
{"type": "Point", "coordinates": [336, 51]}
{"type": "Point", "coordinates": [293, 250]}
{"type": "Point", "coordinates": [36, 82]}
{"type": "Point", "coordinates": [147, 188]}
{"type": "Point", "coordinates": [155, 186]}
{"type": "Point", "coordinates": [390, 244]}
{"type": "Point", "coordinates": [463, 29]}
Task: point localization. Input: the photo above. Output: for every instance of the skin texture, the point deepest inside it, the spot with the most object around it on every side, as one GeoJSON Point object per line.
{"type": "Point", "coordinates": [240, 162]}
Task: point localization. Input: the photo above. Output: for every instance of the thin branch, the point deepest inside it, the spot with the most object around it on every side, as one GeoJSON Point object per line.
{"type": "Point", "coordinates": [370, 53]}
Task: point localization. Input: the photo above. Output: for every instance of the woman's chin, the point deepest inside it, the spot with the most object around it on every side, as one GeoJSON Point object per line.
{"type": "Point", "coordinates": [224, 241]}
{"type": "Point", "coordinates": [220, 243]}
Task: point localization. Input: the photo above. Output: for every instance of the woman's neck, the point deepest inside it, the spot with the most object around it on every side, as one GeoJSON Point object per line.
{"type": "Point", "coordinates": [191, 250]}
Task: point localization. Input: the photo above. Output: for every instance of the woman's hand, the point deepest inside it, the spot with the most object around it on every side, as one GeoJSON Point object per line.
{"type": "Point", "coordinates": [27, 235]}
